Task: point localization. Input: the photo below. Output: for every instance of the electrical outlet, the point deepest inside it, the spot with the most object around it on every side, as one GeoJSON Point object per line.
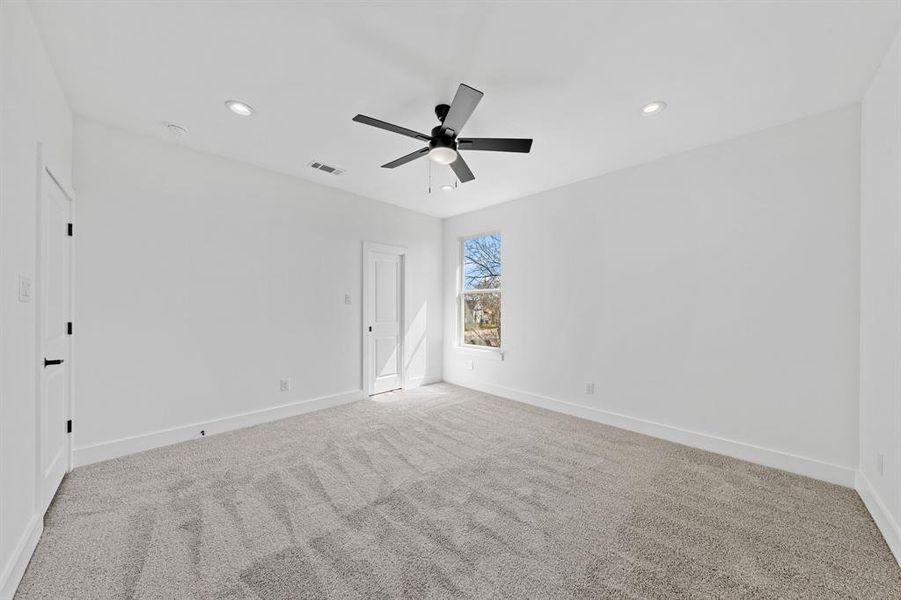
{"type": "Point", "coordinates": [589, 388]}
{"type": "Point", "coordinates": [284, 385]}
{"type": "Point", "coordinates": [880, 464]}
{"type": "Point", "coordinates": [346, 298]}
{"type": "Point", "coordinates": [467, 364]}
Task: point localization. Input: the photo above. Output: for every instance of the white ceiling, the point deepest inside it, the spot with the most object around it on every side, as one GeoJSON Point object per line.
{"type": "Point", "coordinates": [572, 75]}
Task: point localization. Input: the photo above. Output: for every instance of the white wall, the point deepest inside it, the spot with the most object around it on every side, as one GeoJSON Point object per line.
{"type": "Point", "coordinates": [202, 281]}
{"type": "Point", "coordinates": [880, 298]}
{"type": "Point", "coordinates": [711, 296]}
{"type": "Point", "coordinates": [33, 110]}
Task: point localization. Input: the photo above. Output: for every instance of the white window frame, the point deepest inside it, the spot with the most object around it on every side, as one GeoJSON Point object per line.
{"type": "Point", "coordinates": [462, 291]}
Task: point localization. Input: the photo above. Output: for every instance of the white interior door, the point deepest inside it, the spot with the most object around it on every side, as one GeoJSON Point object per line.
{"type": "Point", "coordinates": [54, 317]}
{"type": "Point", "coordinates": [384, 298]}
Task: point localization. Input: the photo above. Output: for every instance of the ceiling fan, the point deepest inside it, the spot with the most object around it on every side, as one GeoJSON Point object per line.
{"type": "Point", "coordinates": [444, 144]}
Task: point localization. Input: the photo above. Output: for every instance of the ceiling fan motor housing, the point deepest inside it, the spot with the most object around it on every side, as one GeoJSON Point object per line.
{"type": "Point", "coordinates": [442, 139]}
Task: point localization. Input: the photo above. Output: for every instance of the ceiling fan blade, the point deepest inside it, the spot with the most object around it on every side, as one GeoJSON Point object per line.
{"type": "Point", "coordinates": [389, 127]}
{"type": "Point", "coordinates": [461, 108]}
{"type": "Point", "coordinates": [461, 169]}
{"type": "Point", "coordinates": [496, 144]}
{"type": "Point", "coordinates": [405, 159]}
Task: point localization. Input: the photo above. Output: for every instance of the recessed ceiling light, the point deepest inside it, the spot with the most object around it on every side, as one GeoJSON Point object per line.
{"type": "Point", "coordinates": [447, 187]}
{"type": "Point", "coordinates": [175, 129]}
{"type": "Point", "coordinates": [652, 108]}
{"type": "Point", "coordinates": [239, 108]}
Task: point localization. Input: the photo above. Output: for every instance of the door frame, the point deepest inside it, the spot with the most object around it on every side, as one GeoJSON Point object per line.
{"type": "Point", "coordinates": [401, 252]}
{"type": "Point", "coordinates": [38, 298]}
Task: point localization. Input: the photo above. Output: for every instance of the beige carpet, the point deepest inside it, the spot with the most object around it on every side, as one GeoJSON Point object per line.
{"type": "Point", "coordinates": [447, 493]}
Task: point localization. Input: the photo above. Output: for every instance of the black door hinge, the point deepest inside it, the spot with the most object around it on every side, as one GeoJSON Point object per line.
{"type": "Point", "coordinates": [69, 426]}
{"type": "Point", "coordinates": [69, 230]}
{"type": "Point", "coordinates": [69, 328]}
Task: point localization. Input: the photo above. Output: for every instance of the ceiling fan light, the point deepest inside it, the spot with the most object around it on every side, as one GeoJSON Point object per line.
{"type": "Point", "coordinates": [443, 155]}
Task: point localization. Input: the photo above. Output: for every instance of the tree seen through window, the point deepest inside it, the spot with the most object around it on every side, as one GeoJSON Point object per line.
{"type": "Point", "coordinates": [482, 291]}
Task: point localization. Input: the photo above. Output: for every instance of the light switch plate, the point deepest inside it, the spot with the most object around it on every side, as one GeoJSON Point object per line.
{"type": "Point", "coordinates": [24, 288]}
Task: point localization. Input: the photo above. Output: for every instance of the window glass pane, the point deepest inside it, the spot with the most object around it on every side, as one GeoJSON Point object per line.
{"type": "Point", "coordinates": [482, 263]}
{"type": "Point", "coordinates": [482, 319]}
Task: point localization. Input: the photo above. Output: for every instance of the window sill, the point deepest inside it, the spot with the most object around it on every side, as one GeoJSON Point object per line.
{"type": "Point", "coordinates": [488, 353]}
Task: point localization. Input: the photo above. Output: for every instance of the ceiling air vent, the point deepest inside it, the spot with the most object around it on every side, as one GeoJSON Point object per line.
{"type": "Point", "coordinates": [326, 168]}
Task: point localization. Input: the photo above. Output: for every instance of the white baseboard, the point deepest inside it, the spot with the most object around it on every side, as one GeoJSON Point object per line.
{"type": "Point", "coordinates": [413, 382]}
{"type": "Point", "coordinates": [18, 562]}
{"type": "Point", "coordinates": [880, 513]}
{"type": "Point", "coordinates": [106, 450]}
{"type": "Point", "coordinates": [800, 465]}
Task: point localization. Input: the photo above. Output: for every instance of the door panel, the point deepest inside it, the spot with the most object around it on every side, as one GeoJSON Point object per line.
{"type": "Point", "coordinates": [55, 313]}
{"type": "Point", "coordinates": [53, 411]}
{"type": "Point", "coordinates": [385, 332]}
{"type": "Point", "coordinates": [385, 290]}
{"type": "Point", "coordinates": [386, 356]}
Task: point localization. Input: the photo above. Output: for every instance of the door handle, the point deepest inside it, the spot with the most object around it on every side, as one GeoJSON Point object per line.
{"type": "Point", "coordinates": [55, 361]}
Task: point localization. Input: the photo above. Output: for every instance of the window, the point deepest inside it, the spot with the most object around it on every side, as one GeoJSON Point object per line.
{"type": "Point", "coordinates": [480, 298]}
